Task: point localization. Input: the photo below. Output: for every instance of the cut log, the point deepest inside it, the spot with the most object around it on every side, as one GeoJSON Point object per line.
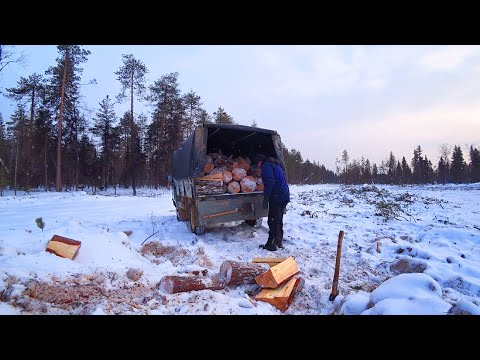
{"type": "Point", "coordinates": [218, 170]}
{"type": "Point", "coordinates": [227, 177]}
{"type": "Point", "coordinates": [233, 187]}
{"type": "Point", "coordinates": [176, 284]}
{"type": "Point", "coordinates": [278, 274]}
{"type": "Point", "coordinates": [238, 273]}
{"type": "Point", "coordinates": [208, 167]}
{"type": "Point", "coordinates": [247, 184]}
{"type": "Point", "coordinates": [239, 174]}
{"type": "Point", "coordinates": [63, 247]}
{"type": "Point", "coordinates": [282, 296]}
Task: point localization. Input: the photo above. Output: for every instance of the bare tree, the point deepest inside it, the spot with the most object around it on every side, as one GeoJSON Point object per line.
{"type": "Point", "coordinates": [8, 56]}
{"type": "Point", "coordinates": [445, 151]}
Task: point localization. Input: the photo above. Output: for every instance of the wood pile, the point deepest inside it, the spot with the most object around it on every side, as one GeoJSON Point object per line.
{"type": "Point", "coordinates": [280, 283]}
{"type": "Point", "coordinates": [278, 278]}
{"type": "Point", "coordinates": [226, 174]}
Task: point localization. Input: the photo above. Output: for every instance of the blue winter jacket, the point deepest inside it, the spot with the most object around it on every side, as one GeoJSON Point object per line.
{"type": "Point", "coordinates": [275, 184]}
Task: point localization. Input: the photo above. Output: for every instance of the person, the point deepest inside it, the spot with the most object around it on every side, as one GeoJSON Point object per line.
{"type": "Point", "coordinates": [276, 196]}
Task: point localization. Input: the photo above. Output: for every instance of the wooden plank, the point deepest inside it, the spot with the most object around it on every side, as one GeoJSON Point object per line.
{"type": "Point", "coordinates": [63, 247]}
{"type": "Point", "coordinates": [282, 296]}
{"type": "Point", "coordinates": [278, 274]}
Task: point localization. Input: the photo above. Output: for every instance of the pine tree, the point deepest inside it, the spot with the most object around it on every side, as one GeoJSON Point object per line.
{"type": "Point", "coordinates": [18, 128]}
{"type": "Point", "coordinates": [4, 172]}
{"type": "Point", "coordinates": [193, 108]}
{"type": "Point", "coordinates": [417, 166]}
{"type": "Point", "coordinates": [442, 171]}
{"type": "Point", "coordinates": [166, 130]}
{"type": "Point", "coordinates": [104, 124]}
{"type": "Point", "coordinates": [132, 77]}
{"type": "Point", "coordinates": [391, 165]}
{"type": "Point", "coordinates": [221, 117]}
{"type": "Point", "coordinates": [474, 165]}
{"type": "Point", "coordinates": [458, 168]}
{"type": "Point", "coordinates": [63, 93]}
{"type": "Point", "coordinates": [406, 172]}
{"type": "Point", "coordinates": [204, 117]}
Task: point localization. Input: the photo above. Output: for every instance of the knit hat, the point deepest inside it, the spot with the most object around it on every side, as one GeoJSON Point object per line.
{"type": "Point", "coordinates": [259, 157]}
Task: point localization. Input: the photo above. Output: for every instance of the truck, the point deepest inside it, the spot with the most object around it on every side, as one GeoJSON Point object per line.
{"type": "Point", "coordinates": [188, 164]}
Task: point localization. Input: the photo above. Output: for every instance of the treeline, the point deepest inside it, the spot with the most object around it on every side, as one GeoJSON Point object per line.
{"type": "Point", "coordinates": [451, 168]}
{"type": "Point", "coordinates": [52, 142]}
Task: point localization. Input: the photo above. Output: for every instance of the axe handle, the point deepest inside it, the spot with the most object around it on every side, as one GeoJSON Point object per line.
{"type": "Point", "coordinates": [334, 293]}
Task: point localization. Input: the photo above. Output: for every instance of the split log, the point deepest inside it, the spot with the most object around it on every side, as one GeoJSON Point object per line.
{"type": "Point", "coordinates": [209, 190]}
{"type": "Point", "coordinates": [238, 273]}
{"type": "Point", "coordinates": [269, 261]}
{"type": "Point", "coordinates": [243, 163]}
{"type": "Point", "coordinates": [213, 176]}
{"type": "Point", "coordinates": [176, 284]}
{"type": "Point", "coordinates": [278, 274]}
{"type": "Point", "coordinates": [282, 296]}
{"type": "Point", "coordinates": [63, 247]}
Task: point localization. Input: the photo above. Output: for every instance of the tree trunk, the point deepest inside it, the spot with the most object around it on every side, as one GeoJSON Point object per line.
{"type": "Point", "coordinates": [278, 274]}
{"type": "Point", "coordinates": [45, 163]}
{"type": "Point", "coordinates": [60, 117]}
{"type": "Point", "coordinates": [132, 135]}
{"type": "Point", "coordinates": [176, 284]}
{"type": "Point", "coordinates": [238, 273]}
{"type": "Point", "coordinates": [16, 166]}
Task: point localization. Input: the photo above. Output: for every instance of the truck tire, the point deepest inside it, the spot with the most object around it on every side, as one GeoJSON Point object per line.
{"type": "Point", "coordinates": [254, 223]}
{"type": "Point", "coordinates": [196, 229]}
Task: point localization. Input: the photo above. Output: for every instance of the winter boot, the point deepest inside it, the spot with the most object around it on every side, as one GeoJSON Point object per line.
{"type": "Point", "coordinates": [279, 241]}
{"type": "Point", "coordinates": [270, 246]}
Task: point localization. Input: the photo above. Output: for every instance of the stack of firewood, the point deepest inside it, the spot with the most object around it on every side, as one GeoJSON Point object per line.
{"type": "Point", "coordinates": [279, 283]}
{"type": "Point", "coordinates": [278, 278]}
{"type": "Point", "coordinates": [224, 174]}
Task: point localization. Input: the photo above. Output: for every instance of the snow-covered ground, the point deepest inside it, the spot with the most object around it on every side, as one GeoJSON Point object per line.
{"type": "Point", "coordinates": [407, 250]}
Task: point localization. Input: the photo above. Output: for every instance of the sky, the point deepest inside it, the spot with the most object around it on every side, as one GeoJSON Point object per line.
{"type": "Point", "coordinates": [368, 100]}
{"type": "Point", "coordinates": [426, 261]}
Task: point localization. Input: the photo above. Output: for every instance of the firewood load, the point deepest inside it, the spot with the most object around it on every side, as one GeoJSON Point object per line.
{"type": "Point", "coordinates": [226, 174]}
{"type": "Point", "coordinates": [280, 283]}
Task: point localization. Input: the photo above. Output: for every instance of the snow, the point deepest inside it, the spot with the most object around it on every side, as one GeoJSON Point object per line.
{"type": "Point", "coordinates": [433, 228]}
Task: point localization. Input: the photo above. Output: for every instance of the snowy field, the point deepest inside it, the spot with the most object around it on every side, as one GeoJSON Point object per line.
{"type": "Point", "coordinates": [407, 250]}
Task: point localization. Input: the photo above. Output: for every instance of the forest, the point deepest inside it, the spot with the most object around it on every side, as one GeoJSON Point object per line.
{"type": "Point", "coordinates": [52, 143]}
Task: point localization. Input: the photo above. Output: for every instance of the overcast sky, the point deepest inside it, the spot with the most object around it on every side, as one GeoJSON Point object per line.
{"type": "Point", "coordinates": [369, 100]}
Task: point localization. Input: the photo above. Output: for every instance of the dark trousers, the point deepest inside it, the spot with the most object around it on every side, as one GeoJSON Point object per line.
{"type": "Point", "coordinates": [275, 220]}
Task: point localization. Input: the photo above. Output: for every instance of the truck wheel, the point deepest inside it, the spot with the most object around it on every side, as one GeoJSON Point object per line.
{"type": "Point", "coordinates": [254, 223]}
{"type": "Point", "coordinates": [196, 229]}
{"type": "Point", "coordinates": [200, 230]}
